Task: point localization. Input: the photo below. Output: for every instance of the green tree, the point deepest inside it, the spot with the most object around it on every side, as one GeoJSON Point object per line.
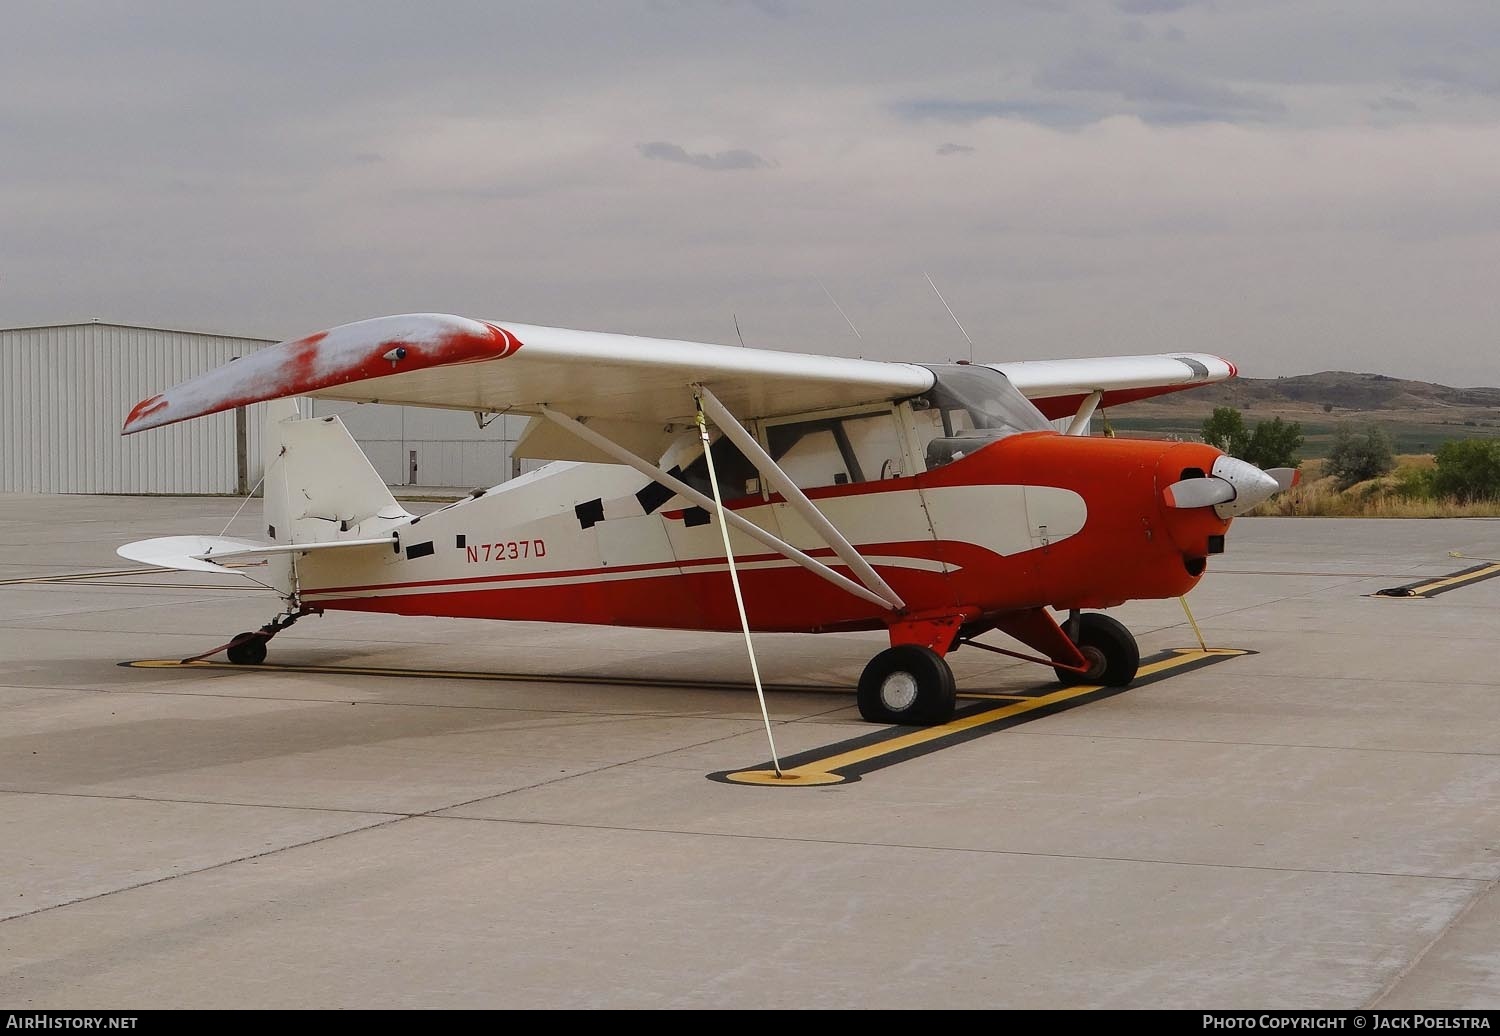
{"type": "Point", "coordinates": [1274, 444]}
{"type": "Point", "coordinates": [1226, 431]}
{"type": "Point", "coordinates": [1360, 454]}
{"type": "Point", "coordinates": [1468, 469]}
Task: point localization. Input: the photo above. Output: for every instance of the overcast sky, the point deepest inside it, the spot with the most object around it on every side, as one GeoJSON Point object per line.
{"type": "Point", "coordinates": [1297, 185]}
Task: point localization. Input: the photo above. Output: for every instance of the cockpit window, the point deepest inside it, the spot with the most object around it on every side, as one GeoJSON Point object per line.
{"type": "Point", "coordinates": [969, 407]}
{"type": "Point", "coordinates": [737, 475]}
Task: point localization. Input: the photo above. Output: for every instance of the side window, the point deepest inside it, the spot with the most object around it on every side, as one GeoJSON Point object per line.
{"type": "Point", "coordinates": [737, 476]}
{"type": "Point", "coordinates": [809, 453]}
{"type": "Point", "coordinates": [876, 444]}
{"type": "Point", "coordinates": [834, 451]}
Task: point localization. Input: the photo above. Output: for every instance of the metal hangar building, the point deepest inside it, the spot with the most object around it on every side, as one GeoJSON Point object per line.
{"type": "Point", "coordinates": [65, 390]}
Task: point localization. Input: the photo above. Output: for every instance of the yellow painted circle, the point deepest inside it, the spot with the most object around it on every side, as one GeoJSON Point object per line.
{"type": "Point", "coordinates": [788, 778]}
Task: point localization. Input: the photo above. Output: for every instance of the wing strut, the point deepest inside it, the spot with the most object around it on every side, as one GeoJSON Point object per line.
{"type": "Point", "coordinates": [1080, 423]}
{"type": "Point", "coordinates": [686, 491]}
{"type": "Point", "coordinates": [772, 473]}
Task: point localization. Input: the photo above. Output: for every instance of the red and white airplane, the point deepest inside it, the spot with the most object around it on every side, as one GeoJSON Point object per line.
{"type": "Point", "coordinates": [937, 502]}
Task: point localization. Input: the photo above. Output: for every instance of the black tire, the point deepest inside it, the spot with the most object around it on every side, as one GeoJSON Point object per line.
{"type": "Point", "coordinates": [910, 685]}
{"type": "Point", "coordinates": [1110, 647]}
{"type": "Point", "coordinates": [248, 649]}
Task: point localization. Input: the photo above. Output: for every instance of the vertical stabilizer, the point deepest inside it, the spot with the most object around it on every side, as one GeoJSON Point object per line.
{"type": "Point", "coordinates": [320, 487]}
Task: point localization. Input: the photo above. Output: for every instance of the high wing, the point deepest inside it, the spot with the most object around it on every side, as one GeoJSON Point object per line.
{"type": "Point", "coordinates": [437, 360]}
{"type": "Point", "coordinates": [1060, 387]}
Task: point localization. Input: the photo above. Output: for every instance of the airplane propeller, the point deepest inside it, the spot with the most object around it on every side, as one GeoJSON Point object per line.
{"type": "Point", "coordinates": [1233, 487]}
{"type": "Point", "coordinates": [1286, 478]}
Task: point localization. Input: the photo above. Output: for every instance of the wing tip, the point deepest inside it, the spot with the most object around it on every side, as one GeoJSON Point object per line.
{"type": "Point", "coordinates": [139, 418]}
{"type": "Point", "coordinates": [354, 352]}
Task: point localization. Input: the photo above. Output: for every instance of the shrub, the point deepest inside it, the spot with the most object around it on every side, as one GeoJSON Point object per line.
{"type": "Point", "coordinates": [1360, 455]}
{"type": "Point", "coordinates": [1413, 483]}
{"type": "Point", "coordinates": [1468, 470]}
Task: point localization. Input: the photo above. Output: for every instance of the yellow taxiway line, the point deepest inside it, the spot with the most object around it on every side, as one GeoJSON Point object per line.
{"type": "Point", "coordinates": [825, 770]}
{"type": "Point", "coordinates": [1456, 580]}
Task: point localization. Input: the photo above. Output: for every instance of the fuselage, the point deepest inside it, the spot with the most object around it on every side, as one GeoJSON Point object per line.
{"type": "Point", "coordinates": [1033, 519]}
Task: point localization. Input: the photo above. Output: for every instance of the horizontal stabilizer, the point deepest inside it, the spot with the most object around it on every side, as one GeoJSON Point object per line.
{"type": "Point", "coordinates": [211, 553]}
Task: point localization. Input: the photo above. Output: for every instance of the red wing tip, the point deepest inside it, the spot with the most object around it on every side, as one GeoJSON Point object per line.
{"type": "Point", "coordinates": [145, 408]}
{"type": "Point", "coordinates": [508, 342]}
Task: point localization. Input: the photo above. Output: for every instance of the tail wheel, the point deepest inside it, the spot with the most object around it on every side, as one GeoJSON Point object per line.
{"type": "Point", "coordinates": [909, 685]}
{"type": "Point", "coordinates": [248, 649]}
{"type": "Point", "coordinates": [1111, 651]}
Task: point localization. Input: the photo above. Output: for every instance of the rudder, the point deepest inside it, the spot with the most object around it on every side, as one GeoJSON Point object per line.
{"type": "Point", "coordinates": [319, 485]}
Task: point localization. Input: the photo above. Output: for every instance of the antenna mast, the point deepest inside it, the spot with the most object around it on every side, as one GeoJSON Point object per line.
{"type": "Point", "coordinates": [842, 313]}
{"type": "Point", "coordinates": [951, 314]}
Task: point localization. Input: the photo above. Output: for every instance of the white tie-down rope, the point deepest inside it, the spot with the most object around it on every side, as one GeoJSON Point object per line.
{"type": "Point", "coordinates": [734, 577]}
{"type": "Point", "coordinates": [250, 494]}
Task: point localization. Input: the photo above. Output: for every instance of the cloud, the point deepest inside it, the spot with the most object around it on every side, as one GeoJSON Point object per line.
{"type": "Point", "coordinates": [948, 109]}
{"type": "Point", "coordinates": [1482, 79]}
{"type": "Point", "coordinates": [1265, 192]}
{"type": "Point", "coordinates": [772, 8]}
{"type": "Point", "coordinates": [1152, 6]}
{"type": "Point", "coordinates": [736, 158]}
{"type": "Point", "coordinates": [1168, 95]}
{"type": "Point", "coordinates": [954, 149]}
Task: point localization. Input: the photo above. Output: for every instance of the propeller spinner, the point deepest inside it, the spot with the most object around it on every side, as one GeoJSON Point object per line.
{"type": "Point", "coordinates": [1232, 488]}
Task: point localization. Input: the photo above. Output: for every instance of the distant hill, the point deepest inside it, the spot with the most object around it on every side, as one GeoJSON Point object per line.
{"type": "Point", "coordinates": [1418, 415]}
{"type": "Point", "coordinates": [1346, 390]}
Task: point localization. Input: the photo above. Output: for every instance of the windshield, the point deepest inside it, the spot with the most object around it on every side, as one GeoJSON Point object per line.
{"type": "Point", "coordinates": [986, 398]}
{"type": "Point", "coordinates": [969, 407]}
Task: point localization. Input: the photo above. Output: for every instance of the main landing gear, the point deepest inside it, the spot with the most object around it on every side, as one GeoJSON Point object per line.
{"type": "Point", "coordinates": [908, 684]}
{"type": "Point", "coordinates": [912, 684]}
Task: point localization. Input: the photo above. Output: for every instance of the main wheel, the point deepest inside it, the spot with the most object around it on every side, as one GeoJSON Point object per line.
{"type": "Point", "coordinates": [908, 684]}
{"type": "Point", "coordinates": [1111, 651]}
{"type": "Point", "coordinates": [248, 649]}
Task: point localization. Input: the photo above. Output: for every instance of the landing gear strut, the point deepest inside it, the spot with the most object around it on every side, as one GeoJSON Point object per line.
{"type": "Point", "coordinates": [908, 684]}
{"type": "Point", "coordinates": [250, 648]}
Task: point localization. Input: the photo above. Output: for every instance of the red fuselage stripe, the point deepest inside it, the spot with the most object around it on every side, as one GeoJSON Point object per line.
{"type": "Point", "coordinates": [584, 574]}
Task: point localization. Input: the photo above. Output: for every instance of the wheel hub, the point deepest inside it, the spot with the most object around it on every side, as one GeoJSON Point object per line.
{"type": "Point", "coordinates": [898, 691]}
{"type": "Point", "coordinates": [1096, 661]}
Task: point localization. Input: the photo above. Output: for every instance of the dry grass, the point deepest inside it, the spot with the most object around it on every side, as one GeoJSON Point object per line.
{"type": "Point", "coordinates": [1319, 496]}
